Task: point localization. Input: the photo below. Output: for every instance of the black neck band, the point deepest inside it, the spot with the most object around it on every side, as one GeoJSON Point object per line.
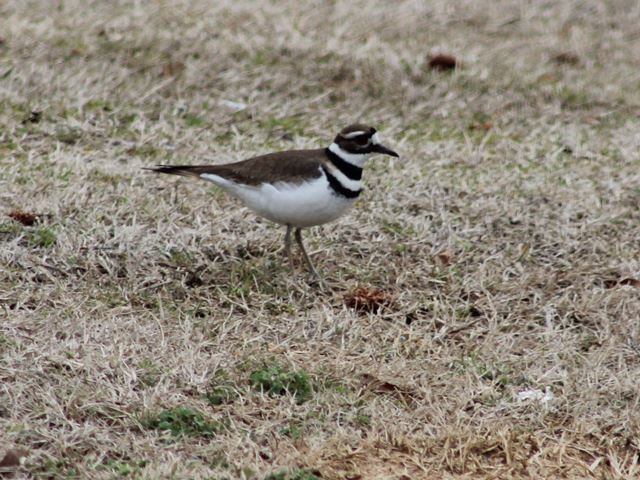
{"type": "Point", "coordinates": [337, 187]}
{"type": "Point", "coordinates": [351, 171]}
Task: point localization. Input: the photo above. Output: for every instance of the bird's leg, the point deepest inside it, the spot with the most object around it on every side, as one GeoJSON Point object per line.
{"type": "Point", "coordinates": [287, 247]}
{"type": "Point", "coordinates": [298, 234]}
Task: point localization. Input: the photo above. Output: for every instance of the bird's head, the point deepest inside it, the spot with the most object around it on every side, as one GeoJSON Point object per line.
{"type": "Point", "coordinates": [357, 142]}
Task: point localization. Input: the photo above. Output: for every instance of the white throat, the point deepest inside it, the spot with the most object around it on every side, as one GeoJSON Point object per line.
{"type": "Point", "coordinates": [357, 159]}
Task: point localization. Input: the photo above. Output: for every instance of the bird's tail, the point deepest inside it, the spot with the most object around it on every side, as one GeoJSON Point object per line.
{"type": "Point", "coordinates": [183, 170]}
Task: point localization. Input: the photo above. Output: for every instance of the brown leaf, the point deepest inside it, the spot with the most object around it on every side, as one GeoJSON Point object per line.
{"type": "Point", "coordinates": [628, 281]}
{"type": "Point", "coordinates": [376, 385]}
{"type": "Point", "coordinates": [566, 58]}
{"type": "Point", "coordinates": [548, 78]}
{"type": "Point", "coordinates": [11, 460]}
{"type": "Point", "coordinates": [442, 62]}
{"type": "Point", "coordinates": [365, 299]}
{"type": "Point", "coordinates": [173, 68]}
{"type": "Point", "coordinates": [486, 126]}
{"type": "Point", "coordinates": [445, 258]}
{"type": "Point", "coordinates": [25, 218]}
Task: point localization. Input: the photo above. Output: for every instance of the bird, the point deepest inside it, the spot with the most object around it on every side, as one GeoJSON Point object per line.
{"type": "Point", "coordinates": [297, 188]}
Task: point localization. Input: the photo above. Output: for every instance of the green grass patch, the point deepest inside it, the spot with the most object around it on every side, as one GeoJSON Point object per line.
{"type": "Point", "coordinates": [572, 99]}
{"type": "Point", "coordinates": [149, 372]}
{"type": "Point", "coordinates": [6, 343]}
{"type": "Point", "coordinates": [43, 237]}
{"type": "Point", "coordinates": [275, 380]}
{"type": "Point", "coordinates": [294, 430]}
{"type": "Point", "coordinates": [586, 342]}
{"type": "Point", "coordinates": [182, 422]}
{"type": "Point", "coordinates": [253, 276]}
{"type": "Point", "coordinates": [362, 419]}
{"type": "Point", "coordinates": [221, 395]}
{"type": "Point", "coordinates": [221, 390]}
{"type": "Point", "coordinates": [68, 135]}
{"type": "Point", "coordinates": [99, 104]}
{"type": "Point", "coordinates": [264, 58]}
{"type": "Point", "coordinates": [192, 120]}
{"type": "Point", "coordinates": [398, 229]}
{"type": "Point", "coordinates": [290, 125]}
{"type": "Point", "coordinates": [487, 370]}
{"type": "Point", "coordinates": [10, 229]}
{"type": "Point", "coordinates": [181, 258]}
{"type": "Point", "coordinates": [125, 469]}
{"type": "Point", "coordinates": [111, 296]}
{"type": "Point", "coordinates": [59, 469]}
{"type": "Point", "coordinates": [98, 176]}
{"type": "Point", "coordinates": [144, 151]}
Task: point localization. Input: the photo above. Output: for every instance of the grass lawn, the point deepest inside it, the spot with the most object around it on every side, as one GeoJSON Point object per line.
{"type": "Point", "coordinates": [150, 326]}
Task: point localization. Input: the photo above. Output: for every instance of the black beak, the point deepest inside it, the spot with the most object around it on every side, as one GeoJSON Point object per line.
{"type": "Point", "coordinates": [379, 148]}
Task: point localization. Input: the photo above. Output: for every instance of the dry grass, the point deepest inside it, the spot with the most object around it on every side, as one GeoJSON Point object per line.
{"type": "Point", "coordinates": [504, 242]}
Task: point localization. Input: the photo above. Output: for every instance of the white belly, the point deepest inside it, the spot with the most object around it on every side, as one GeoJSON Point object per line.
{"type": "Point", "coordinates": [303, 205]}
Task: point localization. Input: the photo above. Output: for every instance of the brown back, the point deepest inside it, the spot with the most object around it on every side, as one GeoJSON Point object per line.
{"type": "Point", "coordinates": [291, 166]}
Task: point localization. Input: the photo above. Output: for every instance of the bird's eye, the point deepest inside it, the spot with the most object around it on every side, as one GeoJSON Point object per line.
{"type": "Point", "coordinates": [362, 140]}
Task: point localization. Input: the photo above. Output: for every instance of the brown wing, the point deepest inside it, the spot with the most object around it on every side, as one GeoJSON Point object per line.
{"type": "Point", "coordinates": [290, 166]}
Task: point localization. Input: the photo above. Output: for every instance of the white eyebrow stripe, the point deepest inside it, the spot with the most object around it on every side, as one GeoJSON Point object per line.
{"type": "Point", "coordinates": [357, 159]}
{"type": "Point", "coordinates": [353, 134]}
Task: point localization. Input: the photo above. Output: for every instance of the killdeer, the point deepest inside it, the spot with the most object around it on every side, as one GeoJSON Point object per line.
{"type": "Point", "coordinates": [297, 188]}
